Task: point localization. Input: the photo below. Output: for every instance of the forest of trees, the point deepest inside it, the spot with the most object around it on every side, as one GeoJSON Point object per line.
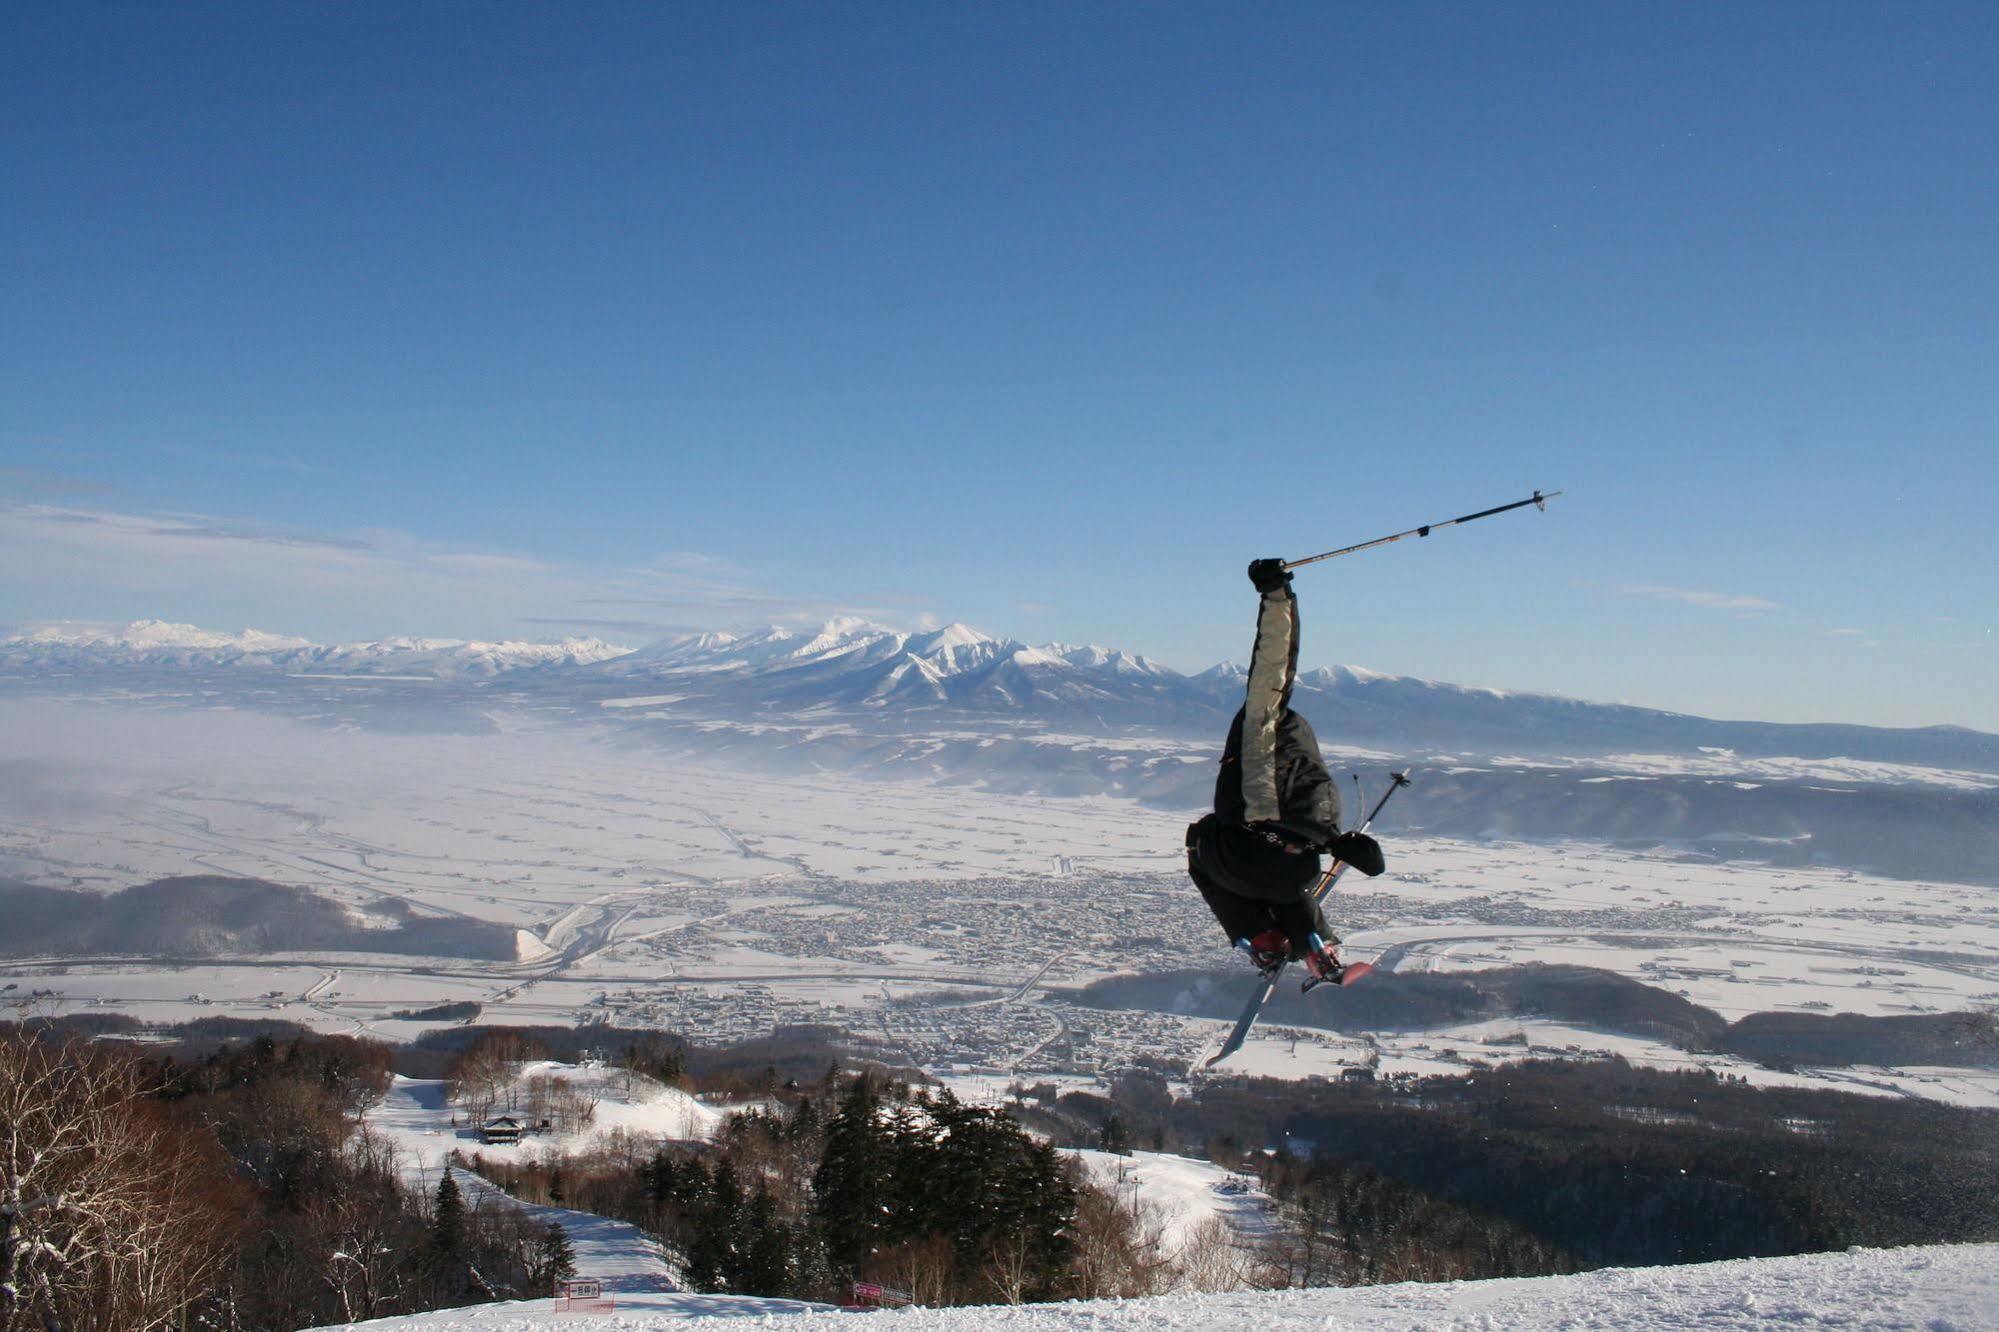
{"type": "Point", "coordinates": [227, 1184]}
{"type": "Point", "coordinates": [858, 1177]}
{"type": "Point", "coordinates": [231, 1192]}
{"type": "Point", "coordinates": [1602, 1162]}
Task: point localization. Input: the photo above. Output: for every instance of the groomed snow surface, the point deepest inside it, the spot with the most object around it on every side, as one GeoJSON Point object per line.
{"type": "Point", "coordinates": [1946, 1289]}
{"type": "Point", "coordinates": [417, 1121]}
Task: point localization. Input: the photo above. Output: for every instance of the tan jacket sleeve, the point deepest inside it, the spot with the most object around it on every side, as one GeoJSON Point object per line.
{"type": "Point", "coordinates": [1273, 669]}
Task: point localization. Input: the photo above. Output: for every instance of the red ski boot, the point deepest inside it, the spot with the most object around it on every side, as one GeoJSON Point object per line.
{"type": "Point", "coordinates": [1327, 969]}
{"type": "Point", "coordinates": [1269, 950]}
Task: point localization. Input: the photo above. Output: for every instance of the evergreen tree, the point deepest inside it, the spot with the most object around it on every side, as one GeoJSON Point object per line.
{"type": "Point", "coordinates": [807, 1117]}
{"type": "Point", "coordinates": [661, 1180]}
{"type": "Point", "coordinates": [991, 1185]}
{"type": "Point", "coordinates": [851, 1188]}
{"type": "Point", "coordinates": [714, 1254]}
{"type": "Point", "coordinates": [449, 1243]}
{"type": "Point", "coordinates": [447, 1222]}
{"type": "Point", "coordinates": [812, 1276]}
{"type": "Point", "coordinates": [555, 1259]}
{"type": "Point", "coordinates": [767, 1258]}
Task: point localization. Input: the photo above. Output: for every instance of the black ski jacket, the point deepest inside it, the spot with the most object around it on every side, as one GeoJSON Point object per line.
{"type": "Point", "coordinates": [1275, 803]}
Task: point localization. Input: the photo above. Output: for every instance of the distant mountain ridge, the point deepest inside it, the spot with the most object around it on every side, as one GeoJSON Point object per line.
{"type": "Point", "coordinates": [879, 677]}
{"type": "Point", "coordinates": [856, 668]}
{"type": "Point", "coordinates": [159, 643]}
{"type": "Point", "coordinates": [854, 664]}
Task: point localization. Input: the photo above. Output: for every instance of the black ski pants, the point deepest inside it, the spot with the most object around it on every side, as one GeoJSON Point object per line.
{"type": "Point", "coordinates": [1242, 917]}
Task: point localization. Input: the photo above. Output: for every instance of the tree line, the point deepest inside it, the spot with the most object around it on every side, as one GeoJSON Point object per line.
{"type": "Point", "coordinates": [232, 1192]}
{"type": "Point", "coordinates": [863, 1178]}
{"type": "Point", "coordinates": [1598, 1161]}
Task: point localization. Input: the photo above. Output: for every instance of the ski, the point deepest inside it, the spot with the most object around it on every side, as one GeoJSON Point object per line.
{"type": "Point", "coordinates": [1266, 981]}
{"type": "Point", "coordinates": [1266, 985]}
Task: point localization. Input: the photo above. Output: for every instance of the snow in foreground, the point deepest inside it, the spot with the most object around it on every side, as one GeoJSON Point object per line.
{"type": "Point", "coordinates": [1946, 1289]}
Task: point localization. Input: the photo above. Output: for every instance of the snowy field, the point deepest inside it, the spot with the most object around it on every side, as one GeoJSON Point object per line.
{"type": "Point", "coordinates": [1944, 1289]}
{"type": "Point", "coordinates": [950, 924]}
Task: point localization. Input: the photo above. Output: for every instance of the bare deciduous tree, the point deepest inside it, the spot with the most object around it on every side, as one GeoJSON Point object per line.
{"type": "Point", "coordinates": [1215, 1258]}
{"type": "Point", "coordinates": [557, 1102]}
{"type": "Point", "coordinates": [924, 1269]}
{"type": "Point", "coordinates": [110, 1215]}
{"type": "Point", "coordinates": [1117, 1247]}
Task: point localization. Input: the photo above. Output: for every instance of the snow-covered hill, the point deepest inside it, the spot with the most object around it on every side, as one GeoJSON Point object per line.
{"type": "Point", "coordinates": [1944, 1289]}
{"type": "Point", "coordinates": [1180, 1195]}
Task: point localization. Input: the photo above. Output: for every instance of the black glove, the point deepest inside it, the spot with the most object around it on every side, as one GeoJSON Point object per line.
{"type": "Point", "coordinates": [1360, 851]}
{"type": "Point", "coordinates": [1269, 575]}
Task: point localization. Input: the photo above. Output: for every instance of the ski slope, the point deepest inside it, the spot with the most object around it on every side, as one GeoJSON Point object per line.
{"type": "Point", "coordinates": [417, 1122]}
{"type": "Point", "coordinates": [1177, 1194]}
{"type": "Point", "coordinates": [1944, 1289]}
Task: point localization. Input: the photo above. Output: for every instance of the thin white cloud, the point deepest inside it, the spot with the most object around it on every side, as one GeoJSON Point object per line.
{"type": "Point", "coordinates": [237, 458]}
{"type": "Point", "coordinates": [488, 564]}
{"type": "Point", "coordinates": [648, 629]}
{"type": "Point", "coordinates": [1697, 597]}
{"type": "Point", "coordinates": [1847, 631]}
{"type": "Point", "coordinates": [691, 561]}
{"type": "Point", "coordinates": [369, 582]}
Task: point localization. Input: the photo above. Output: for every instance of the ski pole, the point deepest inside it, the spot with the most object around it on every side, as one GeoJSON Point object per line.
{"type": "Point", "coordinates": [1537, 499]}
{"type": "Point", "coordinates": [1396, 781]}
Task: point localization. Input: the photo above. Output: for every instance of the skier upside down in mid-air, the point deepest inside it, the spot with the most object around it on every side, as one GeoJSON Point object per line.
{"type": "Point", "coordinates": [1256, 858]}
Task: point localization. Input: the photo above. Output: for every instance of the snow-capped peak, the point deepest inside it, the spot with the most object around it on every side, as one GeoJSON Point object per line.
{"type": "Point", "coordinates": [1116, 660]}
{"type": "Point", "coordinates": [955, 634]}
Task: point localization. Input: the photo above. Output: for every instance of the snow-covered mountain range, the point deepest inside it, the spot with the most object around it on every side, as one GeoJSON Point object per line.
{"type": "Point", "coordinates": [852, 664]}
{"type": "Point", "coordinates": [82, 647]}
{"type": "Point", "coordinates": [881, 678]}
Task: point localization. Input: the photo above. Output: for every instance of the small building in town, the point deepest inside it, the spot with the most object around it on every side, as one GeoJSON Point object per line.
{"type": "Point", "coordinates": [501, 1128]}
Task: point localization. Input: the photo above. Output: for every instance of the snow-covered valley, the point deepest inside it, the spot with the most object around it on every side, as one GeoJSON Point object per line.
{"type": "Point", "coordinates": [389, 846]}
{"type": "Point", "coordinates": [957, 927]}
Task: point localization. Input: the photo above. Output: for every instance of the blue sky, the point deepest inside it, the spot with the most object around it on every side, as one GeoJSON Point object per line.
{"type": "Point", "coordinates": [507, 320]}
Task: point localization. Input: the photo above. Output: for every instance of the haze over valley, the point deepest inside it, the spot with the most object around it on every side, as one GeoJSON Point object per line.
{"type": "Point", "coordinates": [965, 852]}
